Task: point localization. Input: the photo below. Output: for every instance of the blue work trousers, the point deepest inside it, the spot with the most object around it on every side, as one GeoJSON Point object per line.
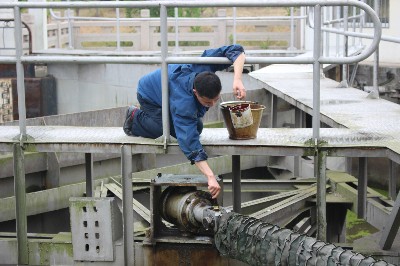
{"type": "Point", "coordinates": [147, 121]}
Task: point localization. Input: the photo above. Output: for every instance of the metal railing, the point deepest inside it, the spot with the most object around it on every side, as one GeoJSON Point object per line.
{"type": "Point", "coordinates": [223, 27]}
{"type": "Point", "coordinates": [19, 59]}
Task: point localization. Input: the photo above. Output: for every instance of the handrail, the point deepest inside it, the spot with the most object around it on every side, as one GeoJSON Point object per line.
{"type": "Point", "coordinates": [179, 20]}
{"type": "Point", "coordinates": [316, 60]}
{"type": "Point", "coordinates": [217, 3]}
{"type": "Point", "coordinates": [350, 33]}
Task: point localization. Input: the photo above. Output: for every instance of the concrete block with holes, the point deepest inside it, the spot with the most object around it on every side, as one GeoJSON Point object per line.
{"type": "Point", "coordinates": [95, 226]}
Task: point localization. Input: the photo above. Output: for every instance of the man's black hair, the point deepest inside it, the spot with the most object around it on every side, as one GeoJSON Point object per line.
{"type": "Point", "coordinates": [207, 84]}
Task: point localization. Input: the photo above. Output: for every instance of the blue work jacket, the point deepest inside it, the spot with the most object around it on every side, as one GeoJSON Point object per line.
{"type": "Point", "coordinates": [185, 109]}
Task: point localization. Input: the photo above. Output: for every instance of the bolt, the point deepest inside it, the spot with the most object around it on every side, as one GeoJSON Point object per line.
{"type": "Point", "coordinates": [207, 222]}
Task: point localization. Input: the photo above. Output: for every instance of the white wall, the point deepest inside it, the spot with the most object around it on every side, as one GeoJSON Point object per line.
{"type": "Point", "coordinates": [87, 87]}
{"type": "Point", "coordinates": [389, 53]}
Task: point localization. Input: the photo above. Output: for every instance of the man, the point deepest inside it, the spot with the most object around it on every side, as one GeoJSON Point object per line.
{"type": "Point", "coordinates": [193, 89]}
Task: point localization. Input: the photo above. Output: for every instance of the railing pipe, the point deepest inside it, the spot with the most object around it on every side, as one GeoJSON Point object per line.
{"type": "Point", "coordinates": [20, 73]}
{"type": "Point", "coordinates": [70, 41]}
{"type": "Point", "coordinates": [270, 18]}
{"type": "Point", "coordinates": [176, 13]}
{"type": "Point", "coordinates": [117, 30]}
{"type": "Point", "coordinates": [353, 24]}
{"type": "Point", "coordinates": [344, 82]}
{"type": "Point", "coordinates": [164, 74]}
{"type": "Point", "coordinates": [338, 20]}
{"type": "Point", "coordinates": [362, 24]}
{"type": "Point", "coordinates": [327, 15]}
{"type": "Point", "coordinates": [338, 28]}
{"type": "Point", "coordinates": [234, 24]}
{"type": "Point", "coordinates": [375, 90]}
{"type": "Point", "coordinates": [316, 73]}
{"type": "Point", "coordinates": [146, 4]}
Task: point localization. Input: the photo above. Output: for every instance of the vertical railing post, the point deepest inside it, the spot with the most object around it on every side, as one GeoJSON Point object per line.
{"type": "Point", "coordinates": [176, 29]}
{"type": "Point", "coordinates": [70, 41]}
{"type": "Point", "coordinates": [20, 73]}
{"type": "Point", "coordinates": [316, 72]}
{"type": "Point", "coordinates": [374, 94]}
{"type": "Point", "coordinates": [327, 17]}
{"type": "Point", "coordinates": [344, 83]}
{"type": "Point", "coordinates": [20, 204]}
{"type": "Point", "coordinates": [291, 45]}
{"type": "Point", "coordinates": [337, 15]}
{"type": "Point", "coordinates": [234, 25]}
{"type": "Point", "coordinates": [164, 74]}
{"type": "Point", "coordinates": [117, 29]}
{"type": "Point", "coordinates": [320, 156]}
{"type": "Point", "coordinates": [145, 43]}
{"type": "Point", "coordinates": [222, 32]}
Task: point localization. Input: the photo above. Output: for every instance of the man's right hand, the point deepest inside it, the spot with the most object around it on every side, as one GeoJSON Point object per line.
{"type": "Point", "coordinates": [214, 187]}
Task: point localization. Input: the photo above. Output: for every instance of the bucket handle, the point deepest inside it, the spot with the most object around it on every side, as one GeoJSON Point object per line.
{"type": "Point", "coordinates": [233, 96]}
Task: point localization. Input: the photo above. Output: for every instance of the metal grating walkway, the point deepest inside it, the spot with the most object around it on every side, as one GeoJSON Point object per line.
{"type": "Point", "coordinates": [269, 141]}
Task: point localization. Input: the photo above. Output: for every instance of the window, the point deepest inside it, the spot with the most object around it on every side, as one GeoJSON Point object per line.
{"type": "Point", "coordinates": [383, 13]}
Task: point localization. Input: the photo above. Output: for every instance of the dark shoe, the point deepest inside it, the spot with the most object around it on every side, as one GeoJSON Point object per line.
{"type": "Point", "coordinates": [129, 120]}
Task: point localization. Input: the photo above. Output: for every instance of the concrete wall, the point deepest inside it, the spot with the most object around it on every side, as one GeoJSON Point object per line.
{"type": "Point", "coordinates": [87, 87]}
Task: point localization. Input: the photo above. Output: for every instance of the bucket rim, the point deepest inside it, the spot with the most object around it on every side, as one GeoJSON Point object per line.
{"type": "Point", "coordinates": [224, 105]}
{"type": "Point", "coordinates": [235, 102]}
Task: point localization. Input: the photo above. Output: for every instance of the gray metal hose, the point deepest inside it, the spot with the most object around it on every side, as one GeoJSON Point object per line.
{"type": "Point", "coordinates": [251, 240]}
{"type": "Point", "coordinates": [258, 243]}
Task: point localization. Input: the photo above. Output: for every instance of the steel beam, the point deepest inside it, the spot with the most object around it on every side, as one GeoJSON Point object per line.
{"type": "Point", "coordinates": [392, 226]}
{"type": "Point", "coordinates": [393, 172]}
{"type": "Point", "coordinates": [20, 205]}
{"type": "Point", "coordinates": [236, 183]}
{"type": "Point", "coordinates": [362, 187]}
{"type": "Point", "coordinates": [127, 198]}
{"type": "Point", "coordinates": [274, 111]}
{"type": "Point", "coordinates": [89, 174]}
{"type": "Point", "coordinates": [321, 195]}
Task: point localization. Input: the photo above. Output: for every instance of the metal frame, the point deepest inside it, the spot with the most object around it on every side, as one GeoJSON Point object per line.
{"type": "Point", "coordinates": [126, 150]}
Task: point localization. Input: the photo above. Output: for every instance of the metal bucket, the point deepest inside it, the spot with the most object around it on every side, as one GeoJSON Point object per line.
{"type": "Point", "coordinates": [242, 118]}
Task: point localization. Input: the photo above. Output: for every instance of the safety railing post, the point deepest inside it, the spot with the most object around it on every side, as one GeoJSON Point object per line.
{"type": "Point", "coordinates": [164, 73]}
{"type": "Point", "coordinates": [344, 83]}
{"type": "Point", "coordinates": [316, 72]}
{"type": "Point", "coordinates": [20, 73]}
{"type": "Point", "coordinates": [374, 94]}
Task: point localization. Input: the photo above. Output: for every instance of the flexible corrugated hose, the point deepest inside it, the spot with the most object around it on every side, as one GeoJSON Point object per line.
{"type": "Point", "coordinates": [258, 243]}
